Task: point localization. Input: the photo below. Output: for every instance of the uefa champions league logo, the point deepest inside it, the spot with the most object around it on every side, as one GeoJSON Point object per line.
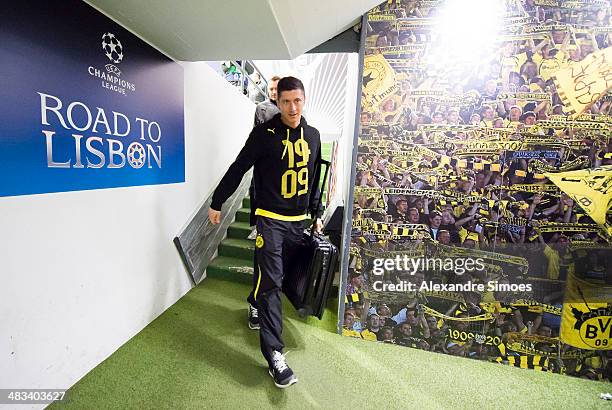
{"type": "Point", "coordinates": [112, 47]}
{"type": "Point", "coordinates": [113, 50]}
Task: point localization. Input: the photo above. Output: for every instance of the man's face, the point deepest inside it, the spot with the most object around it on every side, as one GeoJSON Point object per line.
{"type": "Point", "coordinates": [411, 319]}
{"type": "Point", "coordinates": [562, 243]}
{"type": "Point", "coordinates": [374, 322]}
{"type": "Point", "coordinates": [436, 221]}
{"type": "Point", "coordinates": [531, 69]}
{"type": "Point", "coordinates": [349, 320]}
{"type": "Point", "coordinates": [530, 120]}
{"type": "Point", "coordinates": [384, 311]}
{"type": "Point", "coordinates": [291, 104]}
{"type": "Point", "coordinates": [413, 215]}
{"type": "Point", "coordinates": [444, 238]}
{"type": "Point", "coordinates": [515, 114]}
{"type": "Point", "coordinates": [575, 54]}
{"type": "Point", "coordinates": [272, 90]}
{"type": "Point", "coordinates": [446, 217]}
{"type": "Point", "coordinates": [469, 243]}
{"type": "Point", "coordinates": [558, 36]}
{"type": "Point", "coordinates": [480, 179]}
{"type": "Point", "coordinates": [357, 281]}
{"type": "Point", "coordinates": [406, 330]}
{"type": "Point", "coordinates": [402, 206]}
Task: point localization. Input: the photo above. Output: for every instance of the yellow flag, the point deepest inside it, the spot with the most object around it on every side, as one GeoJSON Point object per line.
{"type": "Point", "coordinates": [378, 80]}
{"type": "Point", "coordinates": [584, 82]}
{"type": "Point", "coordinates": [586, 319]}
{"type": "Point", "coordinates": [590, 188]}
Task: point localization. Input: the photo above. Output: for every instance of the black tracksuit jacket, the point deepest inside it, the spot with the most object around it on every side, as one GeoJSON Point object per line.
{"type": "Point", "coordinates": [286, 168]}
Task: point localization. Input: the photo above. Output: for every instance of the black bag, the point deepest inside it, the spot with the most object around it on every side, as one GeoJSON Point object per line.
{"type": "Point", "coordinates": [309, 275]}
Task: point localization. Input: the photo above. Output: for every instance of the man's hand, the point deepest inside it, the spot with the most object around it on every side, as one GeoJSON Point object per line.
{"type": "Point", "coordinates": [318, 223]}
{"type": "Point", "coordinates": [214, 216]}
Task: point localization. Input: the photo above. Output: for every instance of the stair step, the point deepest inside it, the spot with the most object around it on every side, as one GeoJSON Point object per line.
{"type": "Point", "coordinates": [237, 248]}
{"type": "Point", "coordinates": [231, 269]}
{"type": "Point", "coordinates": [243, 215]}
{"type": "Point", "coordinates": [246, 202]}
{"type": "Point", "coordinates": [239, 230]}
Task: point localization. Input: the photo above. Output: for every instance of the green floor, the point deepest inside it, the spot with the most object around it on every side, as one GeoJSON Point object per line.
{"type": "Point", "coordinates": [200, 354]}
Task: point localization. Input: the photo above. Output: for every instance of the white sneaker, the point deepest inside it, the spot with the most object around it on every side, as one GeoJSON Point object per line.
{"type": "Point", "coordinates": [281, 373]}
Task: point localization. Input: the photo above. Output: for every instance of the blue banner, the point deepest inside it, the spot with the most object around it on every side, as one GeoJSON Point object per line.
{"type": "Point", "coordinates": [85, 104]}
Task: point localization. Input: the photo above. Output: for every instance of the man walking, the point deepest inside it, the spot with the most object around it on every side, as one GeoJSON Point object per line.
{"type": "Point", "coordinates": [264, 111]}
{"type": "Point", "coordinates": [284, 152]}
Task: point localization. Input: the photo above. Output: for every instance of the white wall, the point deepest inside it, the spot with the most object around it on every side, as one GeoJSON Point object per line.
{"type": "Point", "coordinates": [83, 272]}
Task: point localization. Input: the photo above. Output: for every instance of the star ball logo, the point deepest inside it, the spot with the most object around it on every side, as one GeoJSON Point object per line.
{"type": "Point", "coordinates": [113, 50]}
{"type": "Point", "coordinates": [112, 47]}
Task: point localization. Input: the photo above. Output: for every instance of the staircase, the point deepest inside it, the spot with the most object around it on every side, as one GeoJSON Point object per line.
{"type": "Point", "coordinates": [234, 263]}
{"type": "Point", "coordinates": [235, 258]}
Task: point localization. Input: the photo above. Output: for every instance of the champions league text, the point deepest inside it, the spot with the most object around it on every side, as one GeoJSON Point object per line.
{"type": "Point", "coordinates": [458, 265]}
{"type": "Point", "coordinates": [112, 82]}
{"type": "Point", "coordinates": [103, 152]}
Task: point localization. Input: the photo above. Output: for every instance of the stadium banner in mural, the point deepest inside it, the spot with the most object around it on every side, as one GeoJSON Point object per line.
{"type": "Point", "coordinates": [481, 219]}
{"type": "Point", "coordinates": [85, 103]}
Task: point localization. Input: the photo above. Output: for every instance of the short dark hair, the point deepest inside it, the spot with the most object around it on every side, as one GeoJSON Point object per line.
{"type": "Point", "coordinates": [275, 78]}
{"type": "Point", "coordinates": [289, 84]}
{"type": "Point", "coordinates": [433, 214]}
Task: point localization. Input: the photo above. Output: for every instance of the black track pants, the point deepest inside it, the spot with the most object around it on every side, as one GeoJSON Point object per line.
{"type": "Point", "coordinates": [275, 246]}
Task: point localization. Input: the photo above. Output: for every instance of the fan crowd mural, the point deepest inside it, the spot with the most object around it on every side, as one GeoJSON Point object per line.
{"type": "Point", "coordinates": [483, 182]}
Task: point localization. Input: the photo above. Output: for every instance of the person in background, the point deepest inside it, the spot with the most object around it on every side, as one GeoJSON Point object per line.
{"type": "Point", "coordinates": [263, 112]}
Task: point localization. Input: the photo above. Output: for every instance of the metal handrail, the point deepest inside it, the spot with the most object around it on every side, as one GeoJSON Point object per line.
{"type": "Point", "coordinates": [244, 74]}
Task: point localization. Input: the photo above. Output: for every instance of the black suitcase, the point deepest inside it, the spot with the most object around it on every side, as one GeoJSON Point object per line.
{"type": "Point", "coordinates": [310, 273]}
{"type": "Point", "coordinates": [309, 276]}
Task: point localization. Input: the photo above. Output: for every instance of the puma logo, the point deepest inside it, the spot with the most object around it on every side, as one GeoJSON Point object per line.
{"type": "Point", "coordinates": [272, 130]}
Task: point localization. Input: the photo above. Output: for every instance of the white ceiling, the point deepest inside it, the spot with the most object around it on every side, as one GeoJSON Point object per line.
{"type": "Point", "coordinates": [197, 30]}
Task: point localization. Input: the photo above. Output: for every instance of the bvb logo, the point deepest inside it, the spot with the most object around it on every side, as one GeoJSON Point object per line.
{"type": "Point", "coordinates": [595, 332]}
{"type": "Point", "coordinates": [259, 242]}
{"type": "Point", "coordinates": [136, 155]}
{"type": "Point", "coordinates": [112, 47]}
{"type": "Point", "coordinates": [374, 73]}
{"type": "Point", "coordinates": [480, 339]}
{"type": "Point", "coordinates": [594, 327]}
